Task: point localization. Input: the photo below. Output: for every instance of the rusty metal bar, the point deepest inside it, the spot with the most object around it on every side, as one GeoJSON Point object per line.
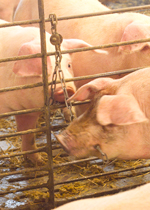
{"type": "Point", "coordinates": [38, 55]}
{"type": "Point", "coordinates": [50, 183]}
{"type": "Point", "coordinates": [52, 107]}
{"type": "Point", "coordinates": [94, 76]}
{"type": "Point", "coordinates": [103, 13]}
{"type": "Point", "coordinates": [36, 130]}
{"type": "Point", "coordinates": [15, 23]}
{"type": "Point", "coordinates": [75, 162]}
{"type": "Point", "coordinates": [21, 112]}
{"type": "Point", "coordinates": [24, 189]}
{"type": "Point", "coordinates": [98, 194]}
{"type": "Point", "coordinates": [27, 170]}
{"type": "Point", "coordinates": [20, 87]}
{"type": "Point", "coordinates": [117, 44]}
{"type": "Point", "coordinates": [70, 51]}
{"type": "Point", "coordinates": [72, 79]}
{"type": "Point", "coordinates": [41, 149]}
{"type": "Point", "coordinates": [47, 108]}
{"type": "Point", "coordinates": [21, 57]}
{"type": "Point", "coordinates": [103, 174]}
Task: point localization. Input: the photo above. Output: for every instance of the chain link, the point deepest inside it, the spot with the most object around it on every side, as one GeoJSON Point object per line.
{"type": "Point", "coordinates": [56, 39]}
{"type": "Point", "coordinates": [104, 156]}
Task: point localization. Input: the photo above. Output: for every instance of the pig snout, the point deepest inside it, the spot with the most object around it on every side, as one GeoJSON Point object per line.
{"type": "Point", "coordinates": [59, 93]}
{"type": "Point", "coordinates": [74, 145]}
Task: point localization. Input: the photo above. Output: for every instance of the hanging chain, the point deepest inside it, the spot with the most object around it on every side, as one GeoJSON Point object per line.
{"type": "Point", "coordinates": [56, 39]}
{"type": "Point", "coordinates": [104, 156]}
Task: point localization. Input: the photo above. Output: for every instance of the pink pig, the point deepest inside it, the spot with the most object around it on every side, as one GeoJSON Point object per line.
{"type": "Point", "coordinates": [96, 30]}
{"type": "Point", "coordinates": [117, 120]}
{"type": "Point", "coordinates": [7, 9]}
{"type": "Point", "coordinates": [18, 41]}
{"type": "Point", "coordinates": [28, 9]}
{"type": "Point", "coordinates": [135, 199]}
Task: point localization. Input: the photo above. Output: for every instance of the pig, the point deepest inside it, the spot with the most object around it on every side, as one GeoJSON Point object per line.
{"type": "Point", "coordinates": [29, 8]}
{"type": "Point", "coordinates": [18, 41]}
{"type": "Point", "coordinates": [98, 30]}
{"type": "Point", "coordinates": [116, 122]}
{"type": "Point", "coordinates": [135, 199]}
{"type": "Point", "coordinates": [7, 9]}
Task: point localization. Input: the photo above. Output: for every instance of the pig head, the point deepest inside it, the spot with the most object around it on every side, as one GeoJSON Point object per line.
{"type": "Point", "coordinates": [117, 119]}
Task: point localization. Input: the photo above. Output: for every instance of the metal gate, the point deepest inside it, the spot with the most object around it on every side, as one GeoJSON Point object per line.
{"type": "Point", "coordinates": [60, 179]}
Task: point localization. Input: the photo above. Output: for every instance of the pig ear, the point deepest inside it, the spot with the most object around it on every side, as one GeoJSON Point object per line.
{"type": "Point", "coordinates": [88, 90]}
{"type": "Point", "coordinates": [78, 43]}
{"type": "Point", "coordinates": [135, 31]}
{"type": "Point", "coordinates": [119, 110]}
{"type": "Point", "coordinates": [29, 67]}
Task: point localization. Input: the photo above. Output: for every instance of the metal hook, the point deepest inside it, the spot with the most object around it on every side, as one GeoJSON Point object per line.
{"type": "Point", "coordinates": [104, 156]}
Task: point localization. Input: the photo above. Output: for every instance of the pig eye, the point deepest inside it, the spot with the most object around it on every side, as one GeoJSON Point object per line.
{"type": "Point", "coordinates": [69, 65]}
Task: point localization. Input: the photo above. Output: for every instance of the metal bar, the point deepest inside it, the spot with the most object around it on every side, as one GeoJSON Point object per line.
{"type": "Point", "coordinates": [27, 170]}
{"type": "Point", "coordinates": [22, 57]}
{"type": "Point", "coordinates": [41, 149]}
{"type": "Point", "coordinates": [103, 174]}
{"type": "Point", "coordinates": [21, 112]}
{"type": "Point", "coordinates": [36, 130]}
{"type": "Point", "coordinates": [23, 189]}
{"type": "Point", "coordinates": [103, 13]}
{"type": "Point", "coordinates": [75, 162]}
{"type": "Point", "coordinates": [45, 84]}
{"type": "Point", "coordinates": [72, 79]}
{"type": "Point", "coordinates": [38, 55]}
{"type": "Point", "coordinates": [94, 76]}
{"type": "Point", "coordinates": [117, 44]}
{"type": "Point", "coordinates": [98, 194]}
{"type": "Point", "coordinates": [16, 23]}
{"type": "Point", "coordinates": [46, 105]}
{"type": "Point", "coordinates": [20, 87]}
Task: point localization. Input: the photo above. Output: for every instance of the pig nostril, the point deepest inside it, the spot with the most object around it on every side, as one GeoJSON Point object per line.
{"type": "Point", "coordinates": [104, 156]}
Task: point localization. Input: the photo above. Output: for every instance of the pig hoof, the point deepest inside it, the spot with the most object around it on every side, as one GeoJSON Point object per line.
{"type": "Point", "coordinates": [36, 159]}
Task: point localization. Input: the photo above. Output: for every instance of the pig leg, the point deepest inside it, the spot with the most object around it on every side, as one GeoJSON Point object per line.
{"type": "Point", "coordinates": [25, 122]}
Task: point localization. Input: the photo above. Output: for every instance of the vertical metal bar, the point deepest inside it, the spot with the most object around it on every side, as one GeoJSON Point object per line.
{"type": "Point", "coordinates": [46, 99]}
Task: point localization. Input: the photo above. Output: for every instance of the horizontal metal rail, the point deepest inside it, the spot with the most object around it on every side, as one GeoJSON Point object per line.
{"type": "Point", "coordinates": [98, 194]}
{"type": "Point", "coordinates": [104, 174]}
{"type": "Point", "coordinates": [41, 149]}
{"type": "Point", "coordinates": [36, 130]}
{"type": "Point", "coordinates": [43, 129]}
{"type": "Point", "coordinates": [24, 189]}
{"type": "Point", "coordinates": [24, 171]}
{"type": "Point", "coordinates": [128, 9]}
{"type": "Point", "coordinates": [38, 55]}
